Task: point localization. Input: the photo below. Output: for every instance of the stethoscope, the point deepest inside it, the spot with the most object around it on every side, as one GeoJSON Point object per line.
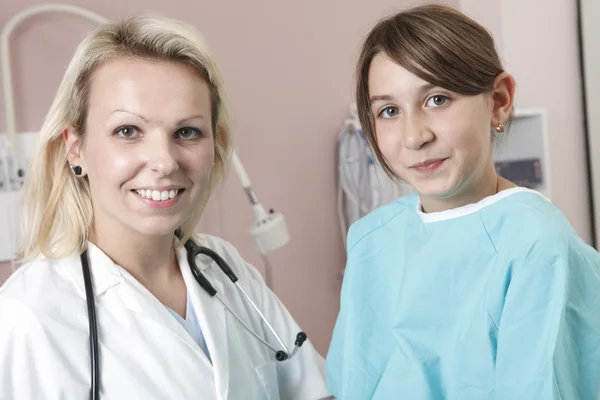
{"type": "Point", "coordinates": [193, 250]}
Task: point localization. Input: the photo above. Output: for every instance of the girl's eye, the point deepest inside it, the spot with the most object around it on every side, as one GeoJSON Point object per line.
{"type": "Point", "coordinates": [389, 112]}
{"type": "Point", "coordinates": [436, 101]}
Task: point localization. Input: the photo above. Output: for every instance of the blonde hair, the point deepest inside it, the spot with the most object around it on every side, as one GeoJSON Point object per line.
{"type": "Point", "coordinates": [57, 209]}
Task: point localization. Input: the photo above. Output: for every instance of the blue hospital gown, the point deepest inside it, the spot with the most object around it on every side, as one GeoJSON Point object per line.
{"type": "Point", "coordinates": [495, 300]}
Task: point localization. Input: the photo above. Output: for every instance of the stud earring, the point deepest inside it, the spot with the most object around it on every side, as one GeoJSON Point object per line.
{"type": "Point", "coordinates": [76, 169]}
{"type": "Point", "coordinates": [213, 164]}
{"type": "Point", "coordinates": [500, 127]}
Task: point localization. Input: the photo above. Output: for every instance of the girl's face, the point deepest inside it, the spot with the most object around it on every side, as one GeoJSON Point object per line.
{"type": "Point", "coordinates": [436, 140]}
{"type": "Point", "coordinates": [148, 148]}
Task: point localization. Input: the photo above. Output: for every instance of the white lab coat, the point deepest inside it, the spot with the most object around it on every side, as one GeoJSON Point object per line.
{"type": "Point", "coordinates": [145, 352]}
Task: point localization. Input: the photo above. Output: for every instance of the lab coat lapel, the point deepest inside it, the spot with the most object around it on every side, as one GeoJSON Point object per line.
{"type": "Point", "coordinates": [104, 273]}
{"type": "Point", "coordinates": [211, 316]}
{"type": "Point", "coordinates": [137, 299]}
{"type": "Point", "coordinates": [131, 295]}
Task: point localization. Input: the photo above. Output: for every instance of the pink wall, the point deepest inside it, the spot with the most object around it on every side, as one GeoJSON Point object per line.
{"type": "Point", "coordinates": [539, 47]}
{"type": "Point", "coordinates": [288, 68]}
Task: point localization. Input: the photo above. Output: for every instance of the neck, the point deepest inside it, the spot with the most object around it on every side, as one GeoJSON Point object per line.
{"type": "Point", "coordinates": [149, 259]}
{"type": "Point", "coordinates": [487, 184]}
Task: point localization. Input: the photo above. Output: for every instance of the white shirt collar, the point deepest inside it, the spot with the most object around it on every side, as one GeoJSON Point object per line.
{"type": "Point", "coordinates": [470, 208]}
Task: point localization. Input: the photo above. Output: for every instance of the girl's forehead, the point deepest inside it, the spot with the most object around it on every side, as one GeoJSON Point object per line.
{"type": "Point", "coordinates": [386, 77]}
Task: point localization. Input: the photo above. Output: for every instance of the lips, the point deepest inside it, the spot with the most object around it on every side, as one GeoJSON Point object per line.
{"type": "Point", "coordinates": [428, 163]}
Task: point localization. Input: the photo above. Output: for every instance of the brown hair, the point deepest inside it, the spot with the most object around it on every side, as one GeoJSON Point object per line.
{"type": "Point", "coordinates": [436, 43]}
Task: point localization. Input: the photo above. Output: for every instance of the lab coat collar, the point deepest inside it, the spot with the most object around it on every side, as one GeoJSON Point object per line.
{"type": "Point", "coordinates": [105, 274]}
{"type": "Point", "coordinates": [139, 300]}
{"type": "Point", "coordinates": [136, 298]}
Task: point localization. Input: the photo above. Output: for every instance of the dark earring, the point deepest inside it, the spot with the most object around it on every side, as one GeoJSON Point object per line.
{"type": "Point", "coordinates": [76, 169]}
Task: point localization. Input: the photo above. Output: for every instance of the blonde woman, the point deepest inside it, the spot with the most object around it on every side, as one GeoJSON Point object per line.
{"type": "Point", "coordinates": [106, 302]}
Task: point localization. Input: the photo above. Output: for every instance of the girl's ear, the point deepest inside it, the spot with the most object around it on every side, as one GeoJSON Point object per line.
{"type": "Point", "coordinates": [503, 97]}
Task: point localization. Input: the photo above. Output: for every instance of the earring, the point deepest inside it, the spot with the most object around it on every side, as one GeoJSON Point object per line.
{"type": "Point", "coordinates": [500, 127]}
{"type": "Point", "coordinates": [76, 169]}
{"type": "Point", "coordinates": [214, 164]}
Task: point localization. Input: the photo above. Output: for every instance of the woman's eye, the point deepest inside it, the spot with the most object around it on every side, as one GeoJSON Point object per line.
{"type": "Point", "coordinates": [188, 133]}
{"type": "Point", "coordinates": [127, 132]}
{"type": "Point", "coordinates": [436, 101]}
{"type": "Point", "coordinates": [389, 112]}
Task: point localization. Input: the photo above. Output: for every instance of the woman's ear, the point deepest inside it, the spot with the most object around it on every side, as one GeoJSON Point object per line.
{"type": "Point", "coordinates": [503, 98]}
{"type": "Point", "coordinates": [74, 156]}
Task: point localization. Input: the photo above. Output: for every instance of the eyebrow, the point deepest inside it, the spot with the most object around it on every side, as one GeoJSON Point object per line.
{"type": "Point", "coordinates": [199, 116]}
{"type": "Point", "coordinates": [129, 112]}
{"type": "Point", "coordinates": [383, 97]}
{"type": "Point", "coordinates": [386, 97]}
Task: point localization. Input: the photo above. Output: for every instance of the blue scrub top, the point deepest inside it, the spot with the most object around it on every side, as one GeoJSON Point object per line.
{"type": "Point", "coordinates": [495, 300]}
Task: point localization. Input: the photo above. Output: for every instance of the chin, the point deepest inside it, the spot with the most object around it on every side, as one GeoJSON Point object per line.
{"type": "Point", "coordinates": [435, 189]}
{"type": "Point", "coordinates": [158, 227]}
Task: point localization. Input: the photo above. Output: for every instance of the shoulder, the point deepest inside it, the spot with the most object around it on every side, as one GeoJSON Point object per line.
{"type": "Point", "coordinates": [23, 296]}
{"type": "Point", "coordinates": [39, 286]}
{"type": "Point", "coordinates": [376, 220]}
{"type": "Point", "coordinates": [29, 278]}
{"type": "Point", "coordinates": [537, 237]}
{"type": "Point", "coordinates": [527, 221]}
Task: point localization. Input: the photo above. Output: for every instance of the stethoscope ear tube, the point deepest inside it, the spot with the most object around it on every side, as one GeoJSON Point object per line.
{"type": "Point", "coordinates": [200, 278]}
{"type": "Point", "coordinates": [93, 326]}
{"type": "Point", "coordinates": [193, 250]}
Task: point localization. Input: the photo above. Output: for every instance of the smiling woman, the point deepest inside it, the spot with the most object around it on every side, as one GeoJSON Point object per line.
{"type": "Point", "coordinates": [132, 148]}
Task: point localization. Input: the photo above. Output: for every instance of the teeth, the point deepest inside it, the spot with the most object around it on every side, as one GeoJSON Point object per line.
{"type": "Point", "coordinates": [156, 195]}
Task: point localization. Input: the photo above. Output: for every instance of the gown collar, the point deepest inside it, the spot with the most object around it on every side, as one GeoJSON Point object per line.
{"type": "Point", "coordinates": [471, 208]}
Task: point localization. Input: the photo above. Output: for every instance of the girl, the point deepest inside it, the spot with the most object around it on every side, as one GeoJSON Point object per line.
{"type": "Point", "coordinates": [472, 288]}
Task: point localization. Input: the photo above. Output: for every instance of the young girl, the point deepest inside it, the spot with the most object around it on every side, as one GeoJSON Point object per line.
{"type": "Point", "coordinates": [473, 288]}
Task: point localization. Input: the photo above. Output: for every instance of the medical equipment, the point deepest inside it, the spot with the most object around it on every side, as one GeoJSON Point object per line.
{"type": "Point", "coordinates": [17, 167]}
{"type": "Point", "coordinates": [522, 172]}
{"type": "Point", "coordinates": [4, 174]}
{"type": "Point", "coordinates": [193, 250]}
{"type": "Point", "coordinates": [362, 183]}
{"type": "Point", "coordinates": [269, 230]}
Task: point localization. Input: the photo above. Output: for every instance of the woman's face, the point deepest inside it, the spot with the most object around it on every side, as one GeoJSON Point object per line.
{"type": "Point", "coordinates": [148, 146]}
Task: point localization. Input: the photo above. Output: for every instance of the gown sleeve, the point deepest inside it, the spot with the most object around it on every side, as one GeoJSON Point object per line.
{"type": "Point", "coordinates": [549, 330]}
{"type": "Point", "coordinates": [343, 349]}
